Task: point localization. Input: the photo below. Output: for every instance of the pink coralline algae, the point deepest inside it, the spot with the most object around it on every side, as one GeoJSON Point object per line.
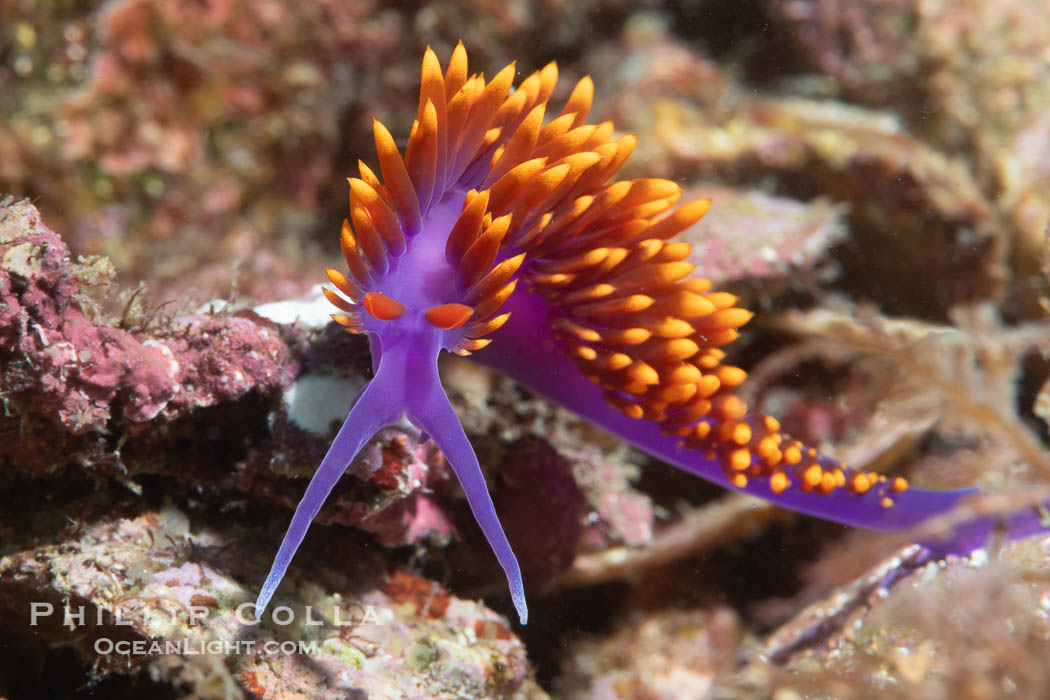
{"type": "Point", "coordinates": [71, 365]}
{"type": "Point", "coordinates": [775, 238]}
{"type": "Point", "coordinates": [221, 359]}
{"type": "Point", "coordinates": [60, 361]}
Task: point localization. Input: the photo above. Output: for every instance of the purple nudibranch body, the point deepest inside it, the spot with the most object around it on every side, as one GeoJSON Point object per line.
{"type": "Point", "coordinates": [500, 222]}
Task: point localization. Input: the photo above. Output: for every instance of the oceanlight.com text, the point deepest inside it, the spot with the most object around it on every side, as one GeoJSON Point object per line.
{"type": "Point", "coordinates": [105, 646]}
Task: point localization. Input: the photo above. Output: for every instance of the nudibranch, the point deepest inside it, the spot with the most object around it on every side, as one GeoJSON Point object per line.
{"type": "Point", "coordinates": [501, 232]}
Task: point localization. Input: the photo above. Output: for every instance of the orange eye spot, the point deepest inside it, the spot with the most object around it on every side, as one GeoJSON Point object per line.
{"type": "Point", "coordinates": [899, 485]}
{"type": "Point", "coordinates": [382, 307]}
{"type": "Point", "coordinates": [448, 316]}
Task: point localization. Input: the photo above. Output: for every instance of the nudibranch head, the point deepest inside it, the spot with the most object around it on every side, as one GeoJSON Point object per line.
{"type": "Point", "coordinates": [496, 198]}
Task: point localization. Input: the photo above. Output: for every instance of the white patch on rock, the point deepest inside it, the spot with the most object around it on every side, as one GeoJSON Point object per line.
{"type": "Point", "coordinates": [312, 310]}
{"type": "Point", "coordinates": [315, 401]}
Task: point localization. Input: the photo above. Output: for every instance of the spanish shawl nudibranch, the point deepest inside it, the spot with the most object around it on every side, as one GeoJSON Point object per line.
{"type": "Point", "coordinates": [500, 229]}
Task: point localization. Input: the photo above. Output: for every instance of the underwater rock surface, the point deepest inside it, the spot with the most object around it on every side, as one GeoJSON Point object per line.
{"type": "Point", "coordinates": [161, 593]}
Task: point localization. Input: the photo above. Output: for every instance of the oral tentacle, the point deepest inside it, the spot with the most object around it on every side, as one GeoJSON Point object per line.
{"type": "Point", "coordinates": [433, 414]}
{"type": "Point", "coordinates": [374, 409]}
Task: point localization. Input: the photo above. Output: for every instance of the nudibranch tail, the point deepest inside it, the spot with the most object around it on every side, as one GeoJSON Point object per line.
{"type": "Point", "coordinates": [906, 509]}
{"type": "Point", "coordinates": [501, 225]}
